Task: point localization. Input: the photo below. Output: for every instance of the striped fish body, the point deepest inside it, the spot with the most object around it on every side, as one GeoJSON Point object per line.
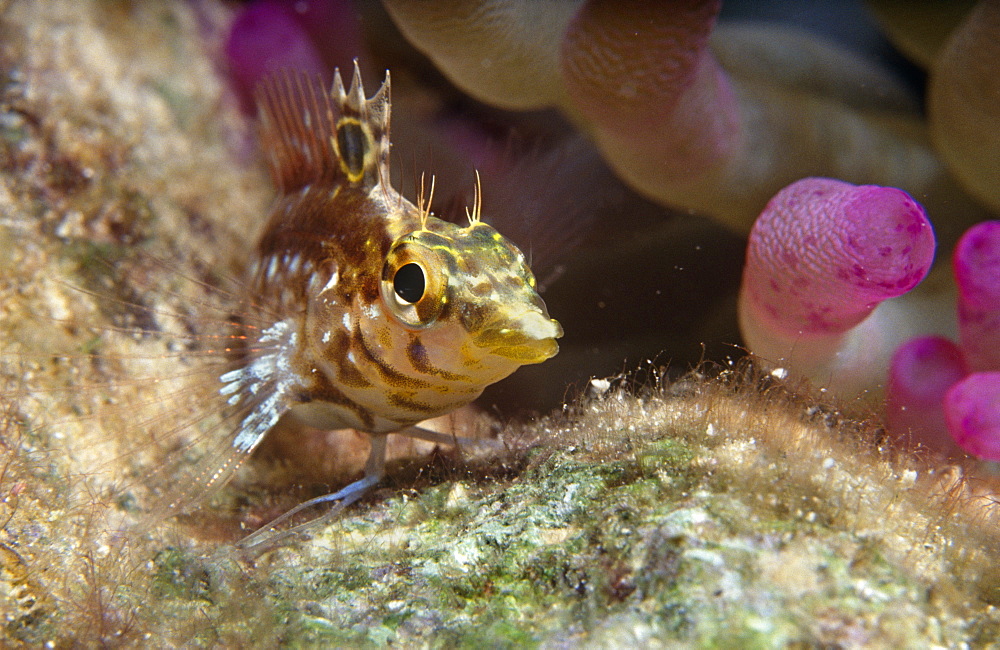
{"type": "Point", "coordinates": [369, 312]}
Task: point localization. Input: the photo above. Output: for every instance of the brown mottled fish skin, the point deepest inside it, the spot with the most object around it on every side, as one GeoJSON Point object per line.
{"type": "Point", "coordinates": [369, 312]}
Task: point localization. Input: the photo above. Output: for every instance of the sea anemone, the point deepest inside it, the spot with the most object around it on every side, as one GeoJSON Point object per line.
{"type": "Point", "coordinates": [271, 35]}
{"type": "Point", "coordinates": [725, 511]}
{"type": "Point", "coordinates": [972, 413]}
{"type": "Point", "coordinates": [936, 386]}
{"type": "Point", "coordinates": [920, 373]}
{"type": "Point", "coordinates": [822, 260]}
{"type": "Point", "coordinates": [962, 107]}
{"type": "Point", "coordinates": [684, 111]}
{"type": "Point", "coordinates": [977, 274]}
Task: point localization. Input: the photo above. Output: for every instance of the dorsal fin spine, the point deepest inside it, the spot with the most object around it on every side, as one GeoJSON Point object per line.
{"type": "Point", "coordinates": [356, 95]}
{"type": "Point", "coordinates": [299, 121]}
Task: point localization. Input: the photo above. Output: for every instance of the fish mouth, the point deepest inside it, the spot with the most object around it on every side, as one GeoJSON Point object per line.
{"type": "Point", "coordinates": [528, 338]}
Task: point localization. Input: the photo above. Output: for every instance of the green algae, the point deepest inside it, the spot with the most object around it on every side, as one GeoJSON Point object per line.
{"type": "Point", "coordinates": [574, 549]}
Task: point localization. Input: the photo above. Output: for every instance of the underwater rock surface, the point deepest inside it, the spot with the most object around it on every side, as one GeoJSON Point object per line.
{"type": "Point", "coordinates": [725, 511]}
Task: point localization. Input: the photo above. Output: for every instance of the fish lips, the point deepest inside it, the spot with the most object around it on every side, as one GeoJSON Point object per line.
{"type": "Point", "coordinates": [527, 338]}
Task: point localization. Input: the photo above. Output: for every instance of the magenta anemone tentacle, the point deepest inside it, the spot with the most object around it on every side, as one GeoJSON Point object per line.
{"type": "Point", "coordinates": [921, 372]}
{"type": "Point", "coordinates": [822, 256]}
{"type": "Point", "coordinates": [972, 412]}
{"type": "Point", "coordinates": [977, 273]}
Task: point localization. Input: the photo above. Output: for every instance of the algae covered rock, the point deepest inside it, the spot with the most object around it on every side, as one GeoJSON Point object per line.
{"type": "Point", "coordinates": [709, 511]}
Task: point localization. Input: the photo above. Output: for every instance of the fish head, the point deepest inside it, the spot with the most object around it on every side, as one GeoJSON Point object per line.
{"type": "Point", "coordinates": [472, 295]}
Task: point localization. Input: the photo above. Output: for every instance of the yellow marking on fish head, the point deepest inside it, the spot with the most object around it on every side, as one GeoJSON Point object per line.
{"type": "Point", "coordinates": [472, 297]}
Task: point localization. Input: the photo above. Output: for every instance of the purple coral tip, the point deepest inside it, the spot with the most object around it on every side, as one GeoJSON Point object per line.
{"type": "Point", "coordinates": [977, 274]}
{"type": "Point", "coordinates": [824, 253]}
{"type": "Point", "coordinates": [314, 36]}
{"type": "Point", "coordinates": [267, 37]}
{"type": "Point", "coordinates": [972, 411]}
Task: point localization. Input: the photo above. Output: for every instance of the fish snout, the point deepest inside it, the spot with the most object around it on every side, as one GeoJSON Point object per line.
{"type": "Point", "coordinates": [527, 338]}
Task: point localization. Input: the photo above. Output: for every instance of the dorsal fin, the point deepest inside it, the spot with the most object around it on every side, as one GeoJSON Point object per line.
{"type": "Point", "coordinates": [310, 135]}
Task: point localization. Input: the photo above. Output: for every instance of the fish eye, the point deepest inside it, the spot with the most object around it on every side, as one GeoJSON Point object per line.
{"type": "Point", "coordinates": [413, 284]}
{"type": "Point", "coordinates": [409, 283]}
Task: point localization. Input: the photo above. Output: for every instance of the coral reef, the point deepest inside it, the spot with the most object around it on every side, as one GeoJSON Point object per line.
{"type": "Point", "coordinates": [729, 509]}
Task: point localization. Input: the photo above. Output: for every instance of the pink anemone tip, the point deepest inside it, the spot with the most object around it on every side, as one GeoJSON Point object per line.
{"type": "Point", "coordinates": [824, 253]}
{"type": "Point", "coordinates": [972, 411]}
{"type": "Point", "coordinates": [921, 372]}
{"type": "Point", "coordinates": [821, 257]}
{"type": "Point", "coordinates": [977, 274]}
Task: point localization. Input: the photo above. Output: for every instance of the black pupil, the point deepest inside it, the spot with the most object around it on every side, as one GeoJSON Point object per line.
{"type": "Point", "coordinates": [409, 283]}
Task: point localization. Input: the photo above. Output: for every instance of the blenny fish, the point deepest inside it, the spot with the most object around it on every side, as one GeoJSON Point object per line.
{"type": "Point", "coordinates": [362, 309]}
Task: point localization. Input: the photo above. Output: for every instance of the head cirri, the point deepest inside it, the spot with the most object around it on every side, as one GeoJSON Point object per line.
{"type": "Point", "coordinates": [474, 285]}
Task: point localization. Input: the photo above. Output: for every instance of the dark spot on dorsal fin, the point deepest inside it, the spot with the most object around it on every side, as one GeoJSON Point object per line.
{"type": "Point", "coordinates": [353, 146]}
{"type": "Point", "coordinates": [310, 135]}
